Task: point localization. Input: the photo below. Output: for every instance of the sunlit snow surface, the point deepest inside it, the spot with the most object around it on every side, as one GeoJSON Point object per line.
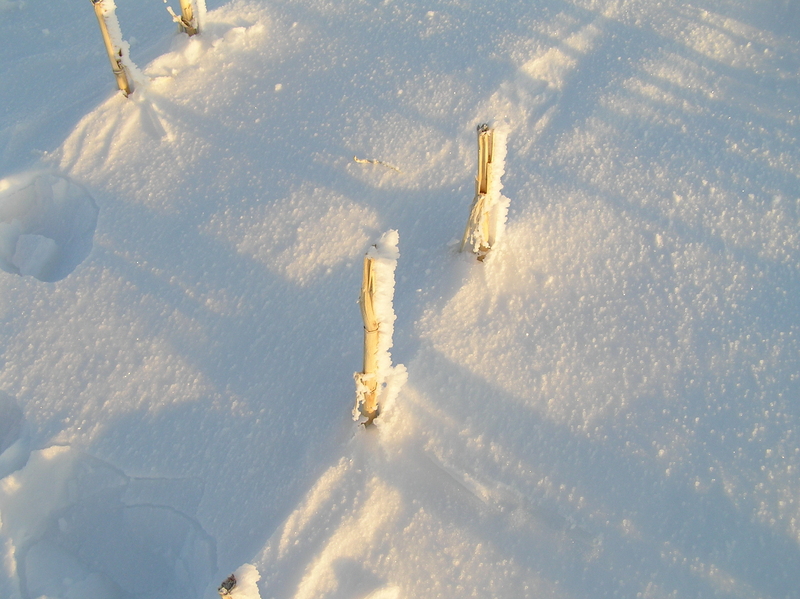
{"type": "Point", "coordinates": [607, 406]}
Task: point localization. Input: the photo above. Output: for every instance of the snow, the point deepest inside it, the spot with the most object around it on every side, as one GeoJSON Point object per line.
{"type": "Point", "coordinates": [79, 528]}
{"type": "Point", "coordinates": [604, 407]}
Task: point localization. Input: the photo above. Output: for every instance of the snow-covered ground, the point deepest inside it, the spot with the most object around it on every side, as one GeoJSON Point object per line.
{"type": "Point", "coordinates": [607, 406]}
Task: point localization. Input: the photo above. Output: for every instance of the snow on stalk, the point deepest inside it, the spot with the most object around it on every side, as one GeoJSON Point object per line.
{"type": "Point", "coordinates": [200, 11]}
{"type": "Point", "coordinates": [487, 216]}
{"type": "Point", "coordinates": [379, 383]}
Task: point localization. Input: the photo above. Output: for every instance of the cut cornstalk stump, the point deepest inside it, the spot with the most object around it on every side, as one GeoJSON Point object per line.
{"type": "Point", "coordinates": [227, 586]}
{"type": "Point", "coordinates": [124, 82]}
{"type": "Point", "coordinates": [379, 382]}
{"type": "Point", "coordinates": [479, 234]}
{"type": "Point", "coordinates": [368, 378]}
{"type": "Point", "coordinates": [188, 23]}
{"type": "Point", "coordinates": [485, 152]}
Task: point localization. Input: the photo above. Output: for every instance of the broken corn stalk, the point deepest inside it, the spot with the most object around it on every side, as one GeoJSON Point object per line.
{"type": "Point", "coordinates": [188, 23]}
{"type": "Point", "coordinates": [124, 81]}
{"type": "Point", "coordinates": [368, 378]}
{"type": "Point", "coordinates": [479, 234]}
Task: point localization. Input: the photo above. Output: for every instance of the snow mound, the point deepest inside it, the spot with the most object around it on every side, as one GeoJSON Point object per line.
{"type": "Point", "coordinates": [47, 224]}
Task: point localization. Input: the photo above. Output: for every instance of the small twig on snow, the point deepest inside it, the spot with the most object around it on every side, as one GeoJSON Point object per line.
{"type": "Point", "coordinates": [380, 162]}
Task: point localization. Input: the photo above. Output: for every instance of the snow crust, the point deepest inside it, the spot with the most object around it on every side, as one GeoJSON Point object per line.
{"type": "Point", "coordinates": [75, 528]}
{"type": "Point", "coordinates": [606, 407]}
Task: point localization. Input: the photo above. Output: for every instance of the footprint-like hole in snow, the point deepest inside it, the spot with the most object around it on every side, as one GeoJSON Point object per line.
{"type": "Point", "coordinates": [81, 529]}
{"type": "Point", "coordinates": [47, 224]}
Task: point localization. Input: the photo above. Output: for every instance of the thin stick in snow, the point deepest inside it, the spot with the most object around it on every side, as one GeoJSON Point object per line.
{"type": "Point", "coordinates": [124, 81]}
{"type": "Point", "coordinates": [373, 161]}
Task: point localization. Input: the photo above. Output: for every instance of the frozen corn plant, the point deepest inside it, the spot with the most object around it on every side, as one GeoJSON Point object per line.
{"type": "Point", "coordinates": [117, 49]}
{"type": "Point", "coordinates": [189, 19]}
{"type": "Point", "coordinates": [489, 208]}
{"type": "Point", "coordinates": [379, 382]}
